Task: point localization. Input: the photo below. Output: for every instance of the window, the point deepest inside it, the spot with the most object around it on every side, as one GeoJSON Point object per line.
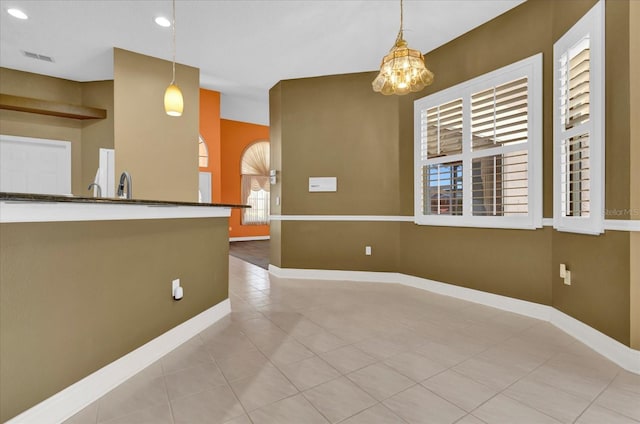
{"type": "Point", "coordinates": [478, 151]}
{"type": "Point", "coordinates": [203, 153]}
{"type": "Point", "coordinates": [578, 126]}
{"type": "Point", "coordinates": [255, 183]}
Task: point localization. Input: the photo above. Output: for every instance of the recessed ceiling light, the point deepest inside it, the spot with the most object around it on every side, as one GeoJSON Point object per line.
{"type": "Point", "coordinates": [17, 13]}
{"type": "Point", "coordinates": [162, 21]}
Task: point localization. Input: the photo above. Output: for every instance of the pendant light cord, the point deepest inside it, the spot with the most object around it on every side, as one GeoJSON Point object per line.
{"type": "Point", "coordinates": [173, 27]}
{"type": "Point", "coordinates": [400, 33]}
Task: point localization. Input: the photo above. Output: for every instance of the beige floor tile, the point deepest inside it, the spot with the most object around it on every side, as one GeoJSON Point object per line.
{"type": "Point", "coordinates": [504, 410]}
{"type": "Point", "coordinates": [223, 347]}
{"type": "Point", "coordinates": [159, 414]}
{"type": "Point", "coordinates": [339, 399]}
{"type": "Point", "coordinates": [88, 415]}
{"type": "Point", "coordinates": [622, 401]}
{"type": "Point", "coordinates": [243, 364]}
{"type": "Point", "coordinates": [309, 373]}
{"type": "Point", "coordinates": [347, 359]}
{"type": "Point", "coordinates": [218, 405]}
{"type": "Point", "coordinates": [459, 390]}
{"type": "Point", "coordinates": [447, 355]}
{"type": "Point", "coordinates": [135, 394]}
{"type": "Point", "coordinates": [187, 355]}
{"type": "Point", "coordinates": [628, 381]}
{"type": "Point", "coordinates": [378, 414]}
{"type": "Point", "coordinates": [598, 415]}
{"type": "Point", "coordinates": [194, 380]}
{"type": "Point", "coordinates": [286, 352]}
{"type": "Point", "coordinates": [470, 419]}
{"type": "Point", "coordinates": [379, 348]}
{"type": "Point", "coordinates": [321, 342]}
{"type": "Point", "coordinates": [579, 383]}
{"type": "Point", "coordinates": [554, 402]}
{"type": "Point", "coordinates": [493, 375]}
{"type": "Point", "coordinates": [418, 405]}
{"type": "Point", "coordinates": [415, 366]}
{"type": "Point", "coordinates": [380, 381]}
{"type": "Point", "coordinates": [242, 419]}
{"type": "Point", "coordinates": [301, 327]}
{"type": "Point", "coordinates": [263, 388]}
{"type": "Point", "coordinates": [511, 357]}
{"type": "Point", "coordinates": [295, 409]}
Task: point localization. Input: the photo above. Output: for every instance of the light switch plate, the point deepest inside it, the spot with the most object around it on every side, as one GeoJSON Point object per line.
{"type": "Point", "coordinates": [563, 270]}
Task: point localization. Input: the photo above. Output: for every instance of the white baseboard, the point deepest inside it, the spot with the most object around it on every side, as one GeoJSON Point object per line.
{"type": "Point", "coordinates": [74, 398]}
{"type": "Point", "coordinates": [250, 238]}
{"type": "Point", "coordinates": [615, 351]}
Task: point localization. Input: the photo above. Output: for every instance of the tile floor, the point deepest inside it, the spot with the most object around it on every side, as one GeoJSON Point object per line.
{"type": "Point", "coordinates": [305, 352]}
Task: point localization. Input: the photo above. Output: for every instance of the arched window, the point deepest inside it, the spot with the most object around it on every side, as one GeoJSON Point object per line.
{"type": "Point", "coordinates": [254, 168]}
{"type": "Point", "coordinates": [203, 153]}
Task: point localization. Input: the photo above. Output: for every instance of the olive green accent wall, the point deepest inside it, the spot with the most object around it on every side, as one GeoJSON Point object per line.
{"type": "Point", "coordinates": [514, 263]}
{"type": "Point", "coordinates": [159, 151]}
{"type": "Point", "coordinates": [96, 133]}
{"type": "Point", "coordinates": [25, 84]}
{"type": "Point", "coordinates": [634, 181]}
{"type": "Point", "coordinates": [340, 245]}
{"type": "Point", "coordinates": [336, 126]}
{"type": "Point", "coordinates": [75, 296]}
{"type": "Point", "coordinates": [599, 290]}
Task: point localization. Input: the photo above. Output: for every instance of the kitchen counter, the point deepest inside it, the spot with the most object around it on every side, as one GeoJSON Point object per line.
{"type": "Point", "coordinates": [26, 207]}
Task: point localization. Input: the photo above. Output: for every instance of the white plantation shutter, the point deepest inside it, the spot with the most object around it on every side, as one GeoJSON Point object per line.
{"type": "Point", "coordinates": [499, 115]}
{"type": "Point", "coordinates": [443, 125]}
{"type": "Point", "coordinates": [499, 118]}
{"type": "Point", "coordinates": [579, 126]}
{"type": "Point", "coordinates": [478, 151]}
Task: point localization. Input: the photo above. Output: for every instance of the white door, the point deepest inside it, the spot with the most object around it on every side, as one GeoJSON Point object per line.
{"type": "Point", "coordinates": [204, 187]}
{"type": "Point", "coordinates": [35, 165]}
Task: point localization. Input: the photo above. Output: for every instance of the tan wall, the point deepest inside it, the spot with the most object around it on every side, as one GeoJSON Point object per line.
{"type": "Point", "coordinates": [98, 290]}
{"type": "Point", "coordinates": [159, 151]}
{"type": "Point", "coordinates": [25, 84]}
{"type": "Point", "coordinates": [336, 125]}
{"type": "Point", "coordinates": [340, 245]}
{"type": "Point", "coordinates": [634, 112]}
{"type": "Point", "coordinates": [514, 263]}
{"type": "Point", "coordinates": [96, 133]}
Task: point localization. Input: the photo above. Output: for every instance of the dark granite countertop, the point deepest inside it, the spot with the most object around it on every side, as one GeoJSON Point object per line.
{"type": "Point", "coordinates": [29, 197]}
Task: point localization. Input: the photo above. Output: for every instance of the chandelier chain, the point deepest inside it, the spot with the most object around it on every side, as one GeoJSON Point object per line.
{"type": "Point", "coordinates": [400, 33]}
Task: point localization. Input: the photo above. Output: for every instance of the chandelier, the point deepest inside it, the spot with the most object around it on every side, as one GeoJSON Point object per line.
{"type": "Point", "coordinates": [403, 70]}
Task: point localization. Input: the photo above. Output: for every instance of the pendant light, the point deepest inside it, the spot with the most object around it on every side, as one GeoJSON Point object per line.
{"type": "Point", "coordinates": [173, 103]}
{"type": "Point", "coordinates": [403, 69]}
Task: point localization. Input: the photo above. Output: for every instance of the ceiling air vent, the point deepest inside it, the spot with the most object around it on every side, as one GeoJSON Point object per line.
{"type": "Point", "coordinates": [37, 56]}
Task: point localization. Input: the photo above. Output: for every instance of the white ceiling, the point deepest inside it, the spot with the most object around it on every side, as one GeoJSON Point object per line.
{"type": "Point", "coordinates": [242, 47]}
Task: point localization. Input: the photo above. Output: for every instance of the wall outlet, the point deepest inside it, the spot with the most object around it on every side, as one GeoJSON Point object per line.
{"type": "Point", "coordinates": [277, 200]}
{"type": "Point", "coordinates": [563, 270]}
{"type": "Point", "coordinates": [367, 250]}
{"type": "Point", "coordinates": [174, 285]}
{"type": "Point", "coordinates": [567, 278]}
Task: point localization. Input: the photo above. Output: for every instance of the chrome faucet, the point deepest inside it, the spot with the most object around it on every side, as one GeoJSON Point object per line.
{"type": "Point", "coordinates": [124, 177]}
{"type": "Point", "coordinates": [97, 187]}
